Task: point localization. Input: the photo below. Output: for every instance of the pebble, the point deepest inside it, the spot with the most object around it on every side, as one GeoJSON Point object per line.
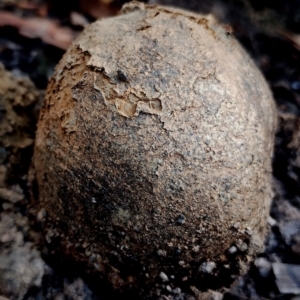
{"type": "Point", "coordinates": [295, 85]}
{"type": "Point", "coordinates": [177, 290]}
{"type": "Point", "coordinates": [7, 206]}
{"type": "Point", "coordinates": [237, 225]}
{"type": "Point", "coordinates": [256, 245]}
{"type": "Point", "coordinates": [249, 231]}
{"type": "Point", "coordinates": [185, 278]}
{"type": "Point", "coordinates": [180, 219]}
{"type": "Point", "coordinates": [162, 253]}
{"type": "Point", "coordinates": [163, 276]}
{"type": "Point", "coordinates": [272, 222]}
{"type": "Point", "coordinates": [207, 295]}
{"type": "Point", "coordinates": [289, 230]}
{"type": "Point", "coordinates": [11, 195]}
{"type": "Point", "coordinates": [6, 238]}
{"type": "Point", "coordinates": [232, 250]}
{"type": "Point", "coordinates": [263, 266]}
{"type": "Point", "coordinates": [169, 289]}
{"type": "Point", "coordinates": [271, 242]}
{"type": "Point", "coordinates": [196, 248]}
{"type": "Point", "coordinates": [59, 296]}
{"type": "Point", "coordinates": [207, 267]}
{"type": "Point", "coordinates": [41, 214]}
{"type": "Point", "coordinates": [242, 246]}
{"type": "Point", "coordinates": [210, 295]}
{"type": "Point", "coordinates": [177, 251]}
{"type": "Point", "coordinates": [287, 278]}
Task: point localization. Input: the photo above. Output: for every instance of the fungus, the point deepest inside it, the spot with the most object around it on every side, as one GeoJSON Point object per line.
{"type": "Point", "coordinates": [156, 136]}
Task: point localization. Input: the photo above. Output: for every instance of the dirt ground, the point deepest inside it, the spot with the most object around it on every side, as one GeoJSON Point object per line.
{"type": "Point", "coordinates": [33, 37]}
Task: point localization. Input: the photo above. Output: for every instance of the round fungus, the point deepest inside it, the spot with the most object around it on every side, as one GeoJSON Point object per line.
{"type": "Point", "coordinates": [156, 136]}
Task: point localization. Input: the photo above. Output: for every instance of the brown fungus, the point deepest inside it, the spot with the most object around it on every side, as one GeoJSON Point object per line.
{"type": "Point", "coordinates": [154, 145]}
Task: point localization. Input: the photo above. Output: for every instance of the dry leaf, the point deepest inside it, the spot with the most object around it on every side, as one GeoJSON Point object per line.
{"type": "Point", "coordinates": [98, 8]}
{"type": "Point", "coordinates": [78, 19]}
{"type": "Point", "coordinates": [47, 30]}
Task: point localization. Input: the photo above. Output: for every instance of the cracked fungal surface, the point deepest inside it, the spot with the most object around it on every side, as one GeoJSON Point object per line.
{"type": "Point", "coordinates": [156, 136]}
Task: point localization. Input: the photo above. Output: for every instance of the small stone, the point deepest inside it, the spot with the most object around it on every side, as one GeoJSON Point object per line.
{"type": "Point", "coordinates": [177, 290]}
{"type": "Point", "coordinates": [6, 238]}
{"type": "Point", "coordinates": [21, 269]}
{"type": "Point", "coordinates": [295, 85]}
{"type": "Point", "coordinates": [59, 296]}
{"type": "Point", "coordinates": [136, 229]}
{"type": "Point", "coordinates": [248, 231]}
{"type": "Point", "coordinates": [19, 238]}
{"type": "Point", "coordinates": [272, 222]}
{"type": "Point", "coordinates": [78, 19]}
{"type": "Point", "coordinates": [77, 290]}
{"type": "Point", "coordinates": [11, 195]}
{"type": "Point", "coordinates": [289, 230]}
{"type": "Point", "coordinates": [163, 276]}
{"type": "Point", "coordinates": [180, 219]}
{"type": "Point", "coordinates": [243, 267]}
{"type": "Point", "coordinates": [263, 266]}
{"type": "Point", "coordinates": [7, 206]}
{"type": "Point", "coordinates": [207, 295]}
{"type": "Point", "coordinates": [287, 278]}
{"type": "Point", "coordinates": [237, 225]}
{"type": "Point", "coordinates": [48, 238]}
{"type": "Point", "coordinates": [242, 246]}
{"type": "Point", "coordinates": [271, 242]}
{"type": "Point", "coordinates": [162, 253]}
{"type": "Point", "coordinates": [169, 289]}
{"type": "Point", "coordinates": [41, 214]}
{"type": "Point", "coordinates": [122, 76]}
{"type": "Point", "coordinates": [256, 245]}
{"type": "Point", "coordinates": [207, 267]}
{"type": "Point", "coordinates": [196, 248]}
{"type": "Point", "coordinates": [185, 278]}
{"type": "Point", "coordinates": [210, 295]}
{"type": "Point", "coordinates": [177, 251]}
{"type": "Point", "coordinates": [232, 250]}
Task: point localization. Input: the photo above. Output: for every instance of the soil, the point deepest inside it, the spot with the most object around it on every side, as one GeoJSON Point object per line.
{"type": "Point", "coordinates": [32, 268]}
